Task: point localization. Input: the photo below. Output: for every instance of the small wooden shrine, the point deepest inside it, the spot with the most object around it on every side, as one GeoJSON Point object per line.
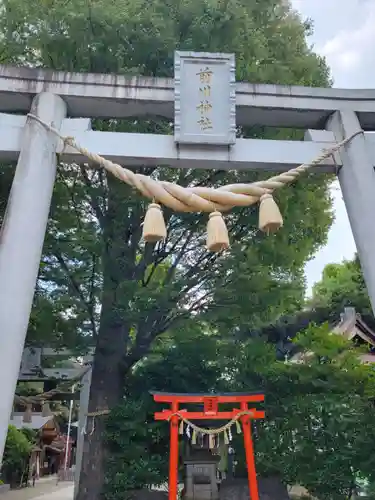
{"type": "Point", "coordinates": [46, 455]}
{"type": "Point", "coordinates": [201, 463]}
{"type": "Point", "coordinates": [201, 481]}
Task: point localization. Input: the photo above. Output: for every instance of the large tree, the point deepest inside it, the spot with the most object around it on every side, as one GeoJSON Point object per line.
{"type": "Point", "coordinates": [94, 242]}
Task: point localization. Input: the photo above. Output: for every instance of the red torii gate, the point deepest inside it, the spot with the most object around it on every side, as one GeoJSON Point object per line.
{"type": "Point", "coordinates": [210, 412]}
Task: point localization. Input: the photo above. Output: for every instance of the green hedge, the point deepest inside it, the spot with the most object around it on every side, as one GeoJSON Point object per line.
{"type": "Point", "coordinates": [16, 456]}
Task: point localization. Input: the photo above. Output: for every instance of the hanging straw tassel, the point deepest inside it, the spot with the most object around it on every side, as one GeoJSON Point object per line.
{"type": "Point", "coordinates": [181, 429]}
{"type": "Point", "coordinates": [211, 441]}
{"type": "Point", "coordinates": [27, 416]}
{"type": "Point", "coordinates": [238, 427]}
{"type": "Point", "coordinates": [194, 437]}
{"type": "Point", "coordinates": [270, 218]}
{"type": "Point", "coordinates": [217, 233]}
{"type": "Point", "coordinates": [201, 440]}
{"type": "Point", "coordinates": [154, 229]}
{"type": "Point", "coordinates": [226, 439]}
{"type": "Point", "coordinates": [46, 410]}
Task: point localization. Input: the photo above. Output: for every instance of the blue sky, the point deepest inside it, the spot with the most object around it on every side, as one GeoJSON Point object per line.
{"type": "Point", "coordinates": [344, 32]}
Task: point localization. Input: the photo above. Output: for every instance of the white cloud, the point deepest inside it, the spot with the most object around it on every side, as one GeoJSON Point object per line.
{"type": "Point", "coordinates": [345, 58]}
{"type": "Point", "coordinates": [351, 48]}
{"type": "Point", "coordinates": [344, 32]}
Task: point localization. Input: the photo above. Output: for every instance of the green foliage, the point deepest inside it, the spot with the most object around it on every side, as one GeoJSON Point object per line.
{"type": "Point", "coordinates": [318, 340]}
{"type": "Point", "coordinates": [116, 36]}
{"type": "Point", "coordinates": [342, 285]}
{"type": "Point", "coordinates": [30, 434]}
{"type": "Point", "coordinates": [132, 463]}
{"type": "Point", "coordinates": [318, 429]}
{"type": "Point", "coordinates": [17, 446]}
{"type": "Point", "coordinates": [16, 455]}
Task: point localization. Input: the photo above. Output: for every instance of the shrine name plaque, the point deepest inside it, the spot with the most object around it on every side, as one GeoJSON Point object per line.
{"type": "Point", "coordinates": [205, 98]}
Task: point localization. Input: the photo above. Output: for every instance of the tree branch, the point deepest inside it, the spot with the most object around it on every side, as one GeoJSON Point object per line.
{"type": "Point", "coordinates": [177, 260]}
{"type": "Point", "coordinates": [70, 190]}
{"type": "Point", "coordinates": [93, 199]}
{"type": "Point", "coordinates": [91, 292]}
{"type": "Point", "coordinates": [77, 290]}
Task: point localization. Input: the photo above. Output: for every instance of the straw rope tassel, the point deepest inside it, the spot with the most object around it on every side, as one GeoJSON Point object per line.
{"type": "Point", "coordinates": [238, 427]}
{"type": "Point", "coordinates": [270, 218]}
{"type": "Point", "coordinates": [154, 229]}
{"type": "Point", "coordinates": [27, 416]}
{"type": "Point", "coordinates": [46, 410]}
{"type": "Point", "coordinates": [194, 437]}
{"type": "Point", "coordinates": [181, 428]}
{"type": "Point", "coordinates": [217, 233]}
{"type": "Point", "coordinates": [211, 441]}
{"type": "Point", "coordinates": [226, 439]}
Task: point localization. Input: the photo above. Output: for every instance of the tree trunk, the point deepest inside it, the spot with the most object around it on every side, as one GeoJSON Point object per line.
{"type": "Point", "coordinates": [106, 392]}
{"type": "Point", "coordinates": [109, 368]}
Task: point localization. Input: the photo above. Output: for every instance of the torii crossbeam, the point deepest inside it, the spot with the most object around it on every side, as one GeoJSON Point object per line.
{"type": "Point", "coordinates": [210, 403]}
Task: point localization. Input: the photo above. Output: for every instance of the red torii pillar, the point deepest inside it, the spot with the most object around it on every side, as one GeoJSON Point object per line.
{"type": "Point", "coordinates": [210, 412]}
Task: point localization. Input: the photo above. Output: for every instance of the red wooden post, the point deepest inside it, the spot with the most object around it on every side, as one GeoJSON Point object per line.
{"type": "Point", "coordinates": [249, 450]}
{"type": "Point", "coordinates": [173, 456]}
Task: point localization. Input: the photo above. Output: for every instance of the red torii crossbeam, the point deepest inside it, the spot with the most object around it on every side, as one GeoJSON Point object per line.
{"type": "Point", "coordinates": [210, 412]}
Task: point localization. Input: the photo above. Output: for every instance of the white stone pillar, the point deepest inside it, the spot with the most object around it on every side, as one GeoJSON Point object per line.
{"type": "Point", "coordinates": [357, 181]}
{"type": "Point", "coordinates": [21, 242]}
{"type": "Point", "coordinates": [83, 409]}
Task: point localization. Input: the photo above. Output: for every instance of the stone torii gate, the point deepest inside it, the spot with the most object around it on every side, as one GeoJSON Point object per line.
{"type": "Point", "coordinates": [67, 101]}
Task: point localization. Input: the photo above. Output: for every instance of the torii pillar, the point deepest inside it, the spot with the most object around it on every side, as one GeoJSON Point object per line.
{"type": "Point", "coordinates": [357, 182]}
{"type": "Point", "coordinates": [21, 242]}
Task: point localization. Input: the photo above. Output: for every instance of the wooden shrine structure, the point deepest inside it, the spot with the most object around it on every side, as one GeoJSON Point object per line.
{"type": "Point", "coordinates": [210, 411]}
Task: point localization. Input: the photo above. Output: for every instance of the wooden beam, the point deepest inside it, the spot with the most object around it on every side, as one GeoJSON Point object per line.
{"type": "Point", "coordinates": [200, 415]}
{"type": "Point", "coordinates": [165, 397]}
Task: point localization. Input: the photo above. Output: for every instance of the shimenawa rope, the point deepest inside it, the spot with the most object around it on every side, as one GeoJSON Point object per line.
{"type": "Point", "coordinates": [211, 433]}
{"type": "Point", "coordinates": [201, 199]}
{"type": "Point", "coordinates": [217, 430]}
{"type": "Point", "coordinates": [39, 398]}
